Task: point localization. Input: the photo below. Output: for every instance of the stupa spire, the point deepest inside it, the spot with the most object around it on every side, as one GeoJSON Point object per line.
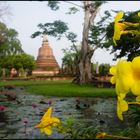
{"type": "Point", "coordinates": [46, 63]}
{"type": "Point", "coordinates": [45, 38]}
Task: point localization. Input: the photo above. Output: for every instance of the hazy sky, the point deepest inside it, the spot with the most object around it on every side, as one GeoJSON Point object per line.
{"type": "Point", "coordinates": [26, 15]}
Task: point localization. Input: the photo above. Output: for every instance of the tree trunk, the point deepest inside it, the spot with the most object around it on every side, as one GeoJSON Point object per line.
{"type": "Point", "coordinates": [84, 67]}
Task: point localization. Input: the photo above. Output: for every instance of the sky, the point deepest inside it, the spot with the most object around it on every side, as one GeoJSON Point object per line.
{"type": "Point", "coordinates": [26, 15]}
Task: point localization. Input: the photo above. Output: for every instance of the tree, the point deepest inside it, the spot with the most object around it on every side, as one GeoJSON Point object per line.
{"type": "Point", "coordinates": [71, 59]}
{"type": "Point", "coordinates": [4, 10]}
{"type": "Point", "coordinates": [11, 52]}
{"type": "Point", "coordinates": [9, 43]}
{"type": "Point", "coordinates": [129, 44]}
{"type": "Point", "coordinates": [24, 61]}
{"type": "Point", "coordinates": [68, 62]}
{"type": "Point", "coordinates": [71, 56]}
{"type": "Point", "coordinates": [18, 61]}
{"type": "Point", "coordinates": [104, 69]}
{"type": "Point", "coordinates": [97, 35]}
{"type": "Point", "coordinates": [90, 10]}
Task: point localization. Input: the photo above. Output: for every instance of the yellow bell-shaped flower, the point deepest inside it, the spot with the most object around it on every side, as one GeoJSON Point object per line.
{"type": "Point", "coordinates": [47, 122]}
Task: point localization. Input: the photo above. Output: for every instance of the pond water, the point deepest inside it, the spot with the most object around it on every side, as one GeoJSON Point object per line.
{"type": "Point", "coordinates": [29, 109]}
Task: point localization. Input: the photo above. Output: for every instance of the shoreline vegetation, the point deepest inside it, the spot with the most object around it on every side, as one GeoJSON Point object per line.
{"type": "Point", "coordinates": [63, 88]}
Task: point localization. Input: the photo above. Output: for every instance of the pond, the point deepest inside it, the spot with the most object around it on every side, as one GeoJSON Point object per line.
{"type": "Point", "coordinates": [28, 109]}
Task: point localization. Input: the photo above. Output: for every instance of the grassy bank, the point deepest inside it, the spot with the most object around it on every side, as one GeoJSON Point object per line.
{"type": "Point", "coordinates": [61, 88]}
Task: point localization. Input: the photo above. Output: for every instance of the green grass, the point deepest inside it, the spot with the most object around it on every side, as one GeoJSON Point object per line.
{"type": "Point", "coordinates": [61, 88]}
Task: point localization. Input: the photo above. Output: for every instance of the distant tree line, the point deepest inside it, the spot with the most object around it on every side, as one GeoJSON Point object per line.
{"type": "Point", "coordinates": [12, 54]}
{"type": "Point", "coordinates": [70, 62]}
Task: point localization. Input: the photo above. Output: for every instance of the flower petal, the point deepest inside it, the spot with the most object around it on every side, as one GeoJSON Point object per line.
{"type": "Point", "coordinates": [55, 121]}
{"type": "Point", "coordinates": [124, 67]}
{"type": "Point", "coordinates": [122, 106]}
{"type": "Point", "coordinates": [122, 96]}
{"type": "Point", "coordinates": [125, 76]}
{"type": "Point", "coordinates": [46, 130]}
{"type": "Point", "coordinates": [112, 70]}
{"type": "Point", "coordinates": [119, 113]}
{"type": "Point", "coordinates": [113, 79]}
{"type": "Point", "coordinates": [47, 114]}
{"type": "Point", "coordinates": [136, 88]}
{"type": "Point", "coordinates": [119, 16]}
{"type": "Point", "coordinates": [136, 63]}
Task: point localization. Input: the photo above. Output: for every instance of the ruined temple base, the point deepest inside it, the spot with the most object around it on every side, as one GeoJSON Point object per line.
{"type": "Point", "coordinates": [44, 73]}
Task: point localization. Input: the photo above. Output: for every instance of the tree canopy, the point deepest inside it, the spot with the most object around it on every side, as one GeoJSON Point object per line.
{"type": "Point", "coordinates": [70, 59]}
{"type": "Point", "coordinates": [9, 43]}
{"type": "Point", "coordinates": [18, 61]}
{"type": "Point", "coordinates": [11, 52]}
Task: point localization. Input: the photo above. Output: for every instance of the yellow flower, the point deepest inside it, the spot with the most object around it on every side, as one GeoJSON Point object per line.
{"type": "Point", "coordinates": [119, 16]}
{"type": "Point", "coordinates": [139, 14]}
{"type": "Point", "coordinates": [136, 76]}
{"type": "Point", "coordinates": [100, 135]}
{"type": "Point", "coordinates": [126, 76]}
{"type": "Point", "coordinates": [118, 27]}
{"type": "Point", "coordinates": [122, 106]}
{"type": "Point", "coordinates": [122, 76]}
{"type": "Point", "coordinates": [47, 122]}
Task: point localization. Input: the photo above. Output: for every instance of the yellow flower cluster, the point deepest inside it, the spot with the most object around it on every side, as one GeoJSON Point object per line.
{"type": "Point", "coordinates": [47, 122]}
{"type": "Point", "coordinates": [126, 76]}
{"type": "Point", "coordinates": [120, 27]}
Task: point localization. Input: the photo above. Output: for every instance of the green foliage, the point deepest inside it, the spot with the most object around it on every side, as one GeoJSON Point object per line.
{"type": "Point", "coordinates": [53, 5]}
{"type": "Point", "coordinates": [93, 67]}
{"type": "Point", "coordinates": [7, 72]}
{"type": "Point", "coordinates": [25, 61]}
{"type": "Point", "coordinates": [104, 69]}
{"type": "Point", "coordinates": [72, 37]}
{"type": "Point", "coordinates": [71, 58]}
{"type": "Point", "coordinates": [99, 3]}
{"type": "Point", "coordinates": [72, 129]}
{"type": "Point", "coordinates": [56, 29]}
{"type": "Point", "coordinates": [9, 44]}
{"type": "Point", "coordinates": [71, 55]}
{"type": "Point", "coordinates": [72, 10]}
{"type": "Point", "coordinates": [131, 132]}
{"type": "Point", "coordinates": [97, 35]}
{"type": "Point", "coordinates": [134, 114]}
{"type": "Point", "coordinates": [6, 62]}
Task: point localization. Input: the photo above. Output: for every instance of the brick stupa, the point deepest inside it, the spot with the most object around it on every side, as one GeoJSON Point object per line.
{"type": "Point", "coordinates": [46, 63]}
